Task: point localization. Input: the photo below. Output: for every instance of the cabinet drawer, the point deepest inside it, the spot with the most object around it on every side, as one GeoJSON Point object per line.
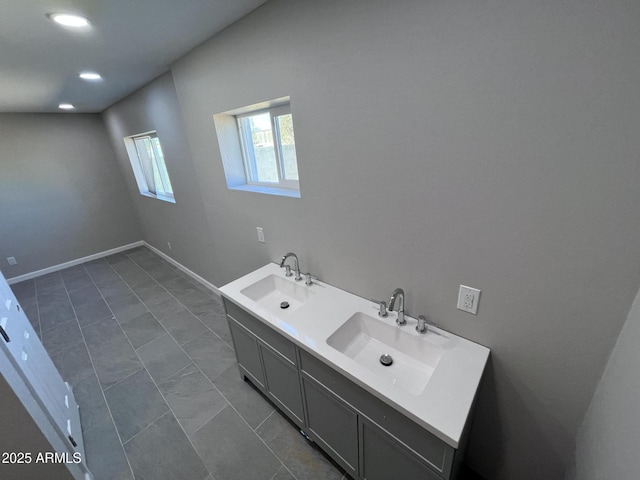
{"type": "Point", "coordinates": [431, 449]}
{"type": "Point", "coordinates": [265, 333]}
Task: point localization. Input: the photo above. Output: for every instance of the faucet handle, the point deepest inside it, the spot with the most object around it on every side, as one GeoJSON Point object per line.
{"type": "Point", "coordinates": [383, 307]}
{"type": "Point", "coordinates": [308, 279]}
{"type": "Point", "coordinates": [287, 271]}
{"type": "Point", "coordinates": [422, 326]}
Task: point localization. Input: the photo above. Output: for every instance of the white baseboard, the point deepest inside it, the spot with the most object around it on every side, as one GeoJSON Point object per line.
{"type": "Point", "coordinates": [191, 273]}
{"type": "Point", "coordinates": [77, 261]}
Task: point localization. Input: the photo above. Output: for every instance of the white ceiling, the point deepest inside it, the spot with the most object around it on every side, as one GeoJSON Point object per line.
{"type": "Point", "coordinates": [130, 43]}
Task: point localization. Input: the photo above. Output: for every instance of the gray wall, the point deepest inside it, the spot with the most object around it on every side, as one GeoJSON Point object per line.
{"type": "Point", "coordinates": [608, 439]}
{"type": "Point", "coordinates": [60, 196]}
{"type": "Point", "coordinates": [492, 144]}
{"type": "Point", "coordinates": [184, 223]}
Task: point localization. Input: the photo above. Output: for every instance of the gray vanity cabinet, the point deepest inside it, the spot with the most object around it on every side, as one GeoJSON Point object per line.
{"type": "Point", "coordinates": [367, 437]}
{"type": "Point", "coordinates": [268, 359]}
{"type": "Point", "coordinates": [382, 434]}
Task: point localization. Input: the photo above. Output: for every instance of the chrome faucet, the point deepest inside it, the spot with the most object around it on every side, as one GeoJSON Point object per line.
{"type": "Point", "coordinates": [296, 266]}
{"type": "Point", "coordinates": [398, 294]}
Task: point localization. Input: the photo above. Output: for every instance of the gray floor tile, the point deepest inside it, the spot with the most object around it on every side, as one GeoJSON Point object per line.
{"type": "Point", "coordinates": [232, 451]}
{"type": "Point", "coordinates": [192, 397]}
{"type": "Point", "coordinates": [114, 290]}
{"type": "Point", "coordinates": [161, 273]}
{"type": "Point", "coordinates": [84, 295]}
{"type": "Point", "coordinates": [115, 363]}
{"type": "Point", "coordinates": [163, 452]}
{"type": "Point", "coordinates": [103, 333]}
{"type": "Point", "coordinates": [184, 326]}
{"type": "Point", "coordinates": [105, 455]}
{"type": "Point", "coordinates": [134, 276]}
{"type": "Point", "coordinates": [105, 278]}
{"type": "Point", "coordinates": [163, 358]}
{"type": "Point", "coordinates": [303, 459]}
{"type": "Point", "coordinates": [116, 258]}
{"type": "Point", "coordinates": [50, 281]}
{"type": "Point", "coordinates": [219, 324]}
{"type": "Point", "coordinates": [97, 267]}
{"type": "Point", "coordinates": [179, 286]}
{"type": "Point", "coordinates": [135, 403]}
{"type": "Point", "coordinates": [142, 329]}
{"type": "Point", "coordinates": [62, 337]}
{"type": "Point", "coordinates": [54, 308]}
{"type": "Point", "coordinates": [126, 308]}
{"type": "Point", "coordinates": [148, 262]}
{"type": "Point", "coordinates": [201, 303]}
{"type": "Point", "coordinates": [251, 405]}
{"type": "Point", "coordinates": [25, 290]}
{"type": "Point", "coordinates": [93, 408]}
{"type": "Point", "coordinates": [73, 363]}
{"type": "Point", "coordinates": [211, 354]}
{"type": "Point", "coordinates": [165, 308]}
{"type": "Point", "coordinates": [92, 312]}
{"type": "Point", "coordinates": [76, 279]}
{"type": "Point", "coordinates": [157, 298]}
{"type": "Point", "coordinates": [148, 290]}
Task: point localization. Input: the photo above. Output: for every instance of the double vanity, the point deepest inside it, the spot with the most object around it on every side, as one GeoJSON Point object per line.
{"type": "Point", "coordinates": [383, 400]}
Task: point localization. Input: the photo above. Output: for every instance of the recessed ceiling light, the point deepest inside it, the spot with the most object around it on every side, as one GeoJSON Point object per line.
{"type": "Point", "coordinates": [90, 76]}
{"type": "Point", "coordinates": [66, 106]}
{"type": "Point", "coordinates": [69, 19]}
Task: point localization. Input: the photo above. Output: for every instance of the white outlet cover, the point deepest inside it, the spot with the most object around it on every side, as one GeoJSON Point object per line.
{"type": "Point", "coordinates": [260, 234]}
{"type": "Point", "coordinates": [11, 260]}
{"type": "Point", "coordinates": [468, 299]}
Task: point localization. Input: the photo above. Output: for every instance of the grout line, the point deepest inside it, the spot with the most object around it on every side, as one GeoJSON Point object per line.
{"type": "Point", "coordinates": [145, 428]}
{"type": "Point", "coordinates": [263, 421]}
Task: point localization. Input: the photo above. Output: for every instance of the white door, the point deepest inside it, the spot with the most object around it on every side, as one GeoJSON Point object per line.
{"type": "Point", "coordinates": [19, 340]}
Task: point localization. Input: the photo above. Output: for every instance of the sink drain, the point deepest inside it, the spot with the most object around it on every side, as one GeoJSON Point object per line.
{"type": "Point", "coordinates": [284, 305]}
{"type": "Point", "coordinates": [386, 359]}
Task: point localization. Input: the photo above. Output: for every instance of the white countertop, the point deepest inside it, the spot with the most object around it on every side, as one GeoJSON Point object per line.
{"type": "Point", "coordinates": [441, 408]}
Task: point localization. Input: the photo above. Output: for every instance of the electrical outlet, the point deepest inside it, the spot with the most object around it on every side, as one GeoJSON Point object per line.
{"type": "Point", "coordinates": [12, 261]}
{"type": "Point", "coordinates": [468, 299]}
{"type": "Point", "coordinates": [260, 234]}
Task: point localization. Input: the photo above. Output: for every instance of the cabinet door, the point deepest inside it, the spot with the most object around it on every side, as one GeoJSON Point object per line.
{"type": "Point", "coordinates": [332, 425]}
{"type": "Point", "coordinates": [247, 352]}
{"type": "Point", "coordinates": [384, 458]}
{"type": "Point", "coordinates": [283, 384]}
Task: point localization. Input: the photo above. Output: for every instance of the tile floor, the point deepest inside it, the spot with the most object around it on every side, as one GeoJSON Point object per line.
{"type": "Point", "coordinates": [149, 355]}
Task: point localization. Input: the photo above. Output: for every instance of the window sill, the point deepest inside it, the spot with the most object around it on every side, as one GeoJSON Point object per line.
{"type": "Point", "coordinates": [283, 192]}
{"type": "Point", "coordinates": [164, 198]}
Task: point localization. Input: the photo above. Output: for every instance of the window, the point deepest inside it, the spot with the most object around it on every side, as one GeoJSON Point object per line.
{"type": "Point", "coordinates": [257, 144]}
{"type": "Point", "coordinates": [147, 161]}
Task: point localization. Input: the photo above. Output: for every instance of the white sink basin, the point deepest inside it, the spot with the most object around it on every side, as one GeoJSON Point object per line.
{"type": "Point", "coordinates": [272, 290]}
{"type": "Point", "coordinates": [365, 339]}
